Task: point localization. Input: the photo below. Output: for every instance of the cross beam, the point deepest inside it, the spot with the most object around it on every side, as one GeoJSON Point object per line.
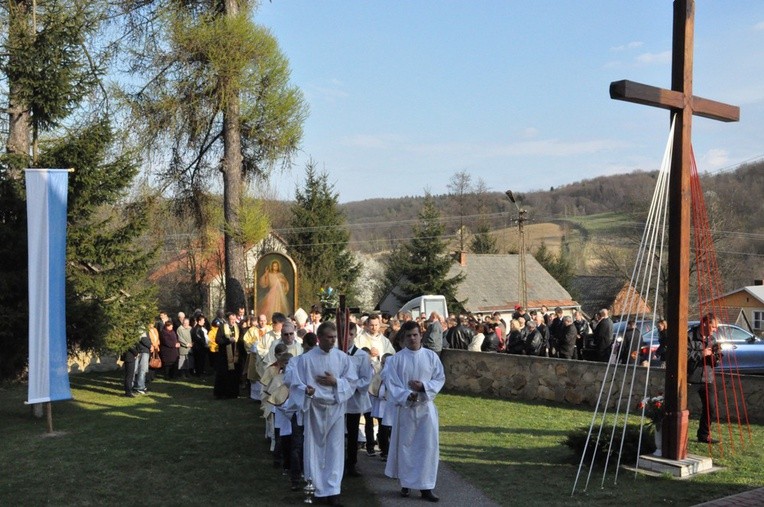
{"type": "Point", "coordinates": [680, 101]}
{"type": "Point", "coordinates": [639, 93]}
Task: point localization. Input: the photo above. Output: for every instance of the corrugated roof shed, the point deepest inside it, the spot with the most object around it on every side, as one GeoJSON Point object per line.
{"type": "Point", "coordinates": [491, 284]}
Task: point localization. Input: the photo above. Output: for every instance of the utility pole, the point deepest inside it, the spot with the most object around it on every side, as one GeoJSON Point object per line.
{"type": "Point", "coordinates": [522, 281]}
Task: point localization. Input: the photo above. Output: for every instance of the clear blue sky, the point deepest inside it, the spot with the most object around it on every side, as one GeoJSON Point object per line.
{"type": "Point", "coordinates": [403, 94]}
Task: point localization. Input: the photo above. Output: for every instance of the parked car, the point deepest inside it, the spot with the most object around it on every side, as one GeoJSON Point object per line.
{"type": "Point", "coordinates": [646, 330]}
{"type": "Point", "coordinates": [742, 352]}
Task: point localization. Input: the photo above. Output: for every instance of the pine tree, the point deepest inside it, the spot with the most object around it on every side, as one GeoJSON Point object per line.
{"type": "Point", "coordinates": [559, 266]}
{"type": "Point", "coordinates": [319, 239]}
{"type": "Point", "coordinates": [109, 300]}
{"type": "Point", "coordinates": [482, 241]}
{"type": "Point", "coordinates": [426, 261]}
{"type": "Point", "coordinates": [50, 67]}
{"type": "Point", "coordinates": [14, 313]}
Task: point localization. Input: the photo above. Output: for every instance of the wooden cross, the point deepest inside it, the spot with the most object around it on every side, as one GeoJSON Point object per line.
{"type": "Point", "coordinates": [678, 100]}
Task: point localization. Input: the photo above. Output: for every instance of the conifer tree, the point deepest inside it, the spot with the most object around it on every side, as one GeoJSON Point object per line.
{"type": "Point", "coordinates": [50, 66]}
{"type": "Point", "coordinates": [109, 301]}
{"type": "Point", "coordinates": [426, 260]}
{"type": "Point", "coordinates": [482, 241]}
{"type": "Point", "coordinates": [318, 239]}
{"type": "Point", "coordinates": [559, 266]}
{"type": "Point", "coordinates": [13, 273]}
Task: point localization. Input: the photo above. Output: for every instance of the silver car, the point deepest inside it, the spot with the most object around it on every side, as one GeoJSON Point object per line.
{"type": "Point", "coordinates": [742, 352]}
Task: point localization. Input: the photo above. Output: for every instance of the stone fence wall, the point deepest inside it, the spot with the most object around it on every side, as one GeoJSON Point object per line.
{"type": "Point", "coordinates": [574, 382]}
{"type": "Point", "coordinates": [86, 362]}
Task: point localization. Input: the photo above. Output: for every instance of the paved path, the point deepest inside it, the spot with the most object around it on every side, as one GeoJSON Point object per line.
{"type": "Point", "coordinates": [451, 488]}
{"type": "Point", "coordinates": [752, 498]}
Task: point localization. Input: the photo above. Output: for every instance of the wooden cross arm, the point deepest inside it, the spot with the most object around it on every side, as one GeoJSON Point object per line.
{"type": "Point", "coordinates": [671, 99]}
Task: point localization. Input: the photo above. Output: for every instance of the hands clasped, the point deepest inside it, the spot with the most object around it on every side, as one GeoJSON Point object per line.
{"type": "Point", "coordinates": [416, 388]}
{"type": "Point", "coordinates": [327, 379]}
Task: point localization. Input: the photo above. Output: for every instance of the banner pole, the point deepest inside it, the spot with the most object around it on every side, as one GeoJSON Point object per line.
{"type": "Point", "coordinates": [49, 414]}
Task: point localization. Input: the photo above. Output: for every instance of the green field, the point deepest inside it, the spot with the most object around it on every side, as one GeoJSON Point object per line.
{"type": "Point", "coordinates": [514, 452]}
{"type": "Point", "coordinates": [179, 446]}
{"type": "Point", "coordinates": [608, 224]}
{"type": "Point", "coordinates": [175, 446]}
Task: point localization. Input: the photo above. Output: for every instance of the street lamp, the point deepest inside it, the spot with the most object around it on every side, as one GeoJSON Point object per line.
{"type": "Point", "coordinates": [522, 281]}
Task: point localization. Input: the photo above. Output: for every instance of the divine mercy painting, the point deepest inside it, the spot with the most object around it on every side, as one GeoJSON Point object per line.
{"type": "Point", "coordinates": [275, 289]}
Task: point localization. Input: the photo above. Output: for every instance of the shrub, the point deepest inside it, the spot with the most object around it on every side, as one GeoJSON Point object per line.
{"type": "Point", "coordinates": [576, 440]}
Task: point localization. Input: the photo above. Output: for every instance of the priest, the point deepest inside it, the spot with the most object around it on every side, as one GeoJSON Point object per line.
{"type": "Point", "coordinates": [413, 377]}
{"type": "Point", "coordinates": [320, 384]}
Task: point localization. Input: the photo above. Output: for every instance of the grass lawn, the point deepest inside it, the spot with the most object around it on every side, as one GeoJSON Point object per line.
{"type": "Point", "coordinates": [514, 452]}
{"type": "Point", "coordinates": [175, 446]}
{"type": "Point", "coordinates": [179, 446]}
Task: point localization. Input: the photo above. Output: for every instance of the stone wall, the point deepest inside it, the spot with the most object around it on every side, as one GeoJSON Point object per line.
{"type": "Point", "coordinates": [86, 362]}
{"type": "Point", "coordinates": [574, 382]}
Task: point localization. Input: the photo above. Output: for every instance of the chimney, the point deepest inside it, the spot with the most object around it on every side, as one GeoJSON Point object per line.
{"type": "Point", "coordinates": [462, 258]}
{"type": "Point", "coordinates": [758, 282]}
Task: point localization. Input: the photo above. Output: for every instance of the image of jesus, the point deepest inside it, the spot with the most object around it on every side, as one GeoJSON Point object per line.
{"type": "Point", "coordinates": [276, 283]}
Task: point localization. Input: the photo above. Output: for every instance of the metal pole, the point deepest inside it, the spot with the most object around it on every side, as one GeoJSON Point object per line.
{"type": "Point", "coordinates": [522, 282]}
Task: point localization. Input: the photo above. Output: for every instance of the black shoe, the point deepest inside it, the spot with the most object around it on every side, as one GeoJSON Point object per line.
{"type": "Point", "coordinates": [707, 440]}
{"type": "Point", "coordinates": [428, 495]}
{"type": "Point", "coordinates": [352, 472]}
{"type": "Point", "coordinates": [128, 395]}
{"type": "Point", "coordinates": [296, 486]}
{"type": "Point", "coordinates": [405, 491]}
{"type": "Point", "coordinates": [334, 500]}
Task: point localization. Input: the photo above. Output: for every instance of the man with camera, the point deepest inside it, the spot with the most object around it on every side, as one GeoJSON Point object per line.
{"type": "Point", "coordinates": [703, 352]}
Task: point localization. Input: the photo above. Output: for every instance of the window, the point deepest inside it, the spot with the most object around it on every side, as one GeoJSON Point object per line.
{"type": "Point", "coordinates": [758, 320]}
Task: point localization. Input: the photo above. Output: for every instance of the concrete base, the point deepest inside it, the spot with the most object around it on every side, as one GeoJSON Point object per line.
{"type": "Point", "coordinates": [691, 465]}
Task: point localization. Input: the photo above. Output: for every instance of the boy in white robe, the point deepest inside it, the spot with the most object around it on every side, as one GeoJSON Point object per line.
{"type": "Point", "coordinates": [413, 377]}
{"type": "Point", "coordinates": [320, 383]}
{"type": "Point", "coordinates": [359, 403]}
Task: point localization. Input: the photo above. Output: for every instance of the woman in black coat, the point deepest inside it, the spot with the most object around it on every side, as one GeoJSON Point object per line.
{"type": "Point", "coordinates": [169, 350]}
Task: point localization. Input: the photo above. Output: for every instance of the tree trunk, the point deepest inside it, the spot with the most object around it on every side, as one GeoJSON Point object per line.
{"type": "Point", "coordinates": [19, 124]}
{"type": "Point", "coordinates": [235, 270]}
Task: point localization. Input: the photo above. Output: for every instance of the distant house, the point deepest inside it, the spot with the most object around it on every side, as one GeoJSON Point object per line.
{"type": "Point", "coordinates": [491, 285]}
{"type": "Point", "coordinates": [744, 307]}
{"type": "Point", "coordinates": [611, 292]}
{"type": "Point", "coordinates": [203, 274]}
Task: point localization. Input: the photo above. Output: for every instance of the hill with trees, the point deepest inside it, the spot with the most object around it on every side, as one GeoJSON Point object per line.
{"type": "Point", "coordinates": [600, 219]}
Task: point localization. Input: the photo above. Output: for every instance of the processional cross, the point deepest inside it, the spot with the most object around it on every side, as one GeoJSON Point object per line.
{"type": "Point", "coordinates": [681, 101]}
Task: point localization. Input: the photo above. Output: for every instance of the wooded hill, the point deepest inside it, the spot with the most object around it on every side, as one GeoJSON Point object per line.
{"type": "Point", "coordinates": [609, 208]}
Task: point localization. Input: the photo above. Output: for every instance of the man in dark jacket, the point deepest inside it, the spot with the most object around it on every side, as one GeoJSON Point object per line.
{"type": "Point", "coordinates": [460, 336]}
{"type": "Point", "coordinates": [703, 354]}
{"type": "Point", "coordinates": [603, 336]}
{"type": "Point", "coordinates": [142, 364]}
{"type": "Point", "coordinates": [556, 332]}
{"type": "Point", "coordinates": [129, 357]}
{"type": "Point", "coordinates": [534, 340]}
{"type": "Point", "coordinates": [567, 343]}
{"type": "Point", "coordinates": [630, 342]}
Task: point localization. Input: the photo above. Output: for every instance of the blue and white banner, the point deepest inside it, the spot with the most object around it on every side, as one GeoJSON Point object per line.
{"type": "Point", "coordinates": [46, 226]}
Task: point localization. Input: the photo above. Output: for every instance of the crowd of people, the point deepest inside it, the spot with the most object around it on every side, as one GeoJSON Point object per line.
{"type": "Point", "coordinates": [328, 395]}
{"type": "Point", "coordinates": [535, 333]}
{"type": "Point", "coordinates": [325, 396]}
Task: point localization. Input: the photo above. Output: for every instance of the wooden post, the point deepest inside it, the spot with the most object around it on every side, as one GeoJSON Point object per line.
{"type": "Point", "coordinates": [49, 415]}
{"type": "Point", "coordinates": [680, 101]}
